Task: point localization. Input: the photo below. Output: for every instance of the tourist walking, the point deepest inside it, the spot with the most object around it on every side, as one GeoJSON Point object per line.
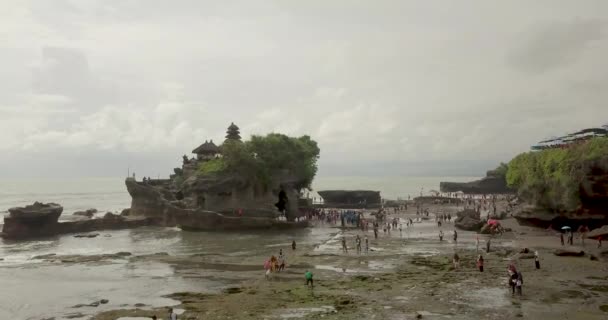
{"type": "Point", "coordinates": [366, 245]}
{"type": "Point", "coordinates": [455, 236]}
{"type": "Point", "coordinates": [536, 260]}
{"type": "Point", "coordinates": [281, 260]}
{"type": "Point", "coordinates": [519, 283]}
{"type": "Point", "coordinates": [308, 277]}
{"type": "Point", "coordinates": [456, 261]}
{"type": "Point", "coordinates": [561, 238]}
{"type": "Point", "coordinates": [293, 245]}
{"type": "Point", "coordinates": [599, 241]}
{"type": "Point", "coordinates": [480, 263]}
{"type": "Point", "coordinates": [571, 238]}
{"type": "Point", "coordinates": [440, 235]}
{"type": "Point", "coordinates": [488, 245]}
{"type": "Point", "coordinates": [358, 243]}
{"type": "Point", "coordinates": [344, 247]}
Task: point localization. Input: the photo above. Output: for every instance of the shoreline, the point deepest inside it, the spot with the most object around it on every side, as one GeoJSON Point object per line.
{"type": "Point", "coordinates": [393, 284]}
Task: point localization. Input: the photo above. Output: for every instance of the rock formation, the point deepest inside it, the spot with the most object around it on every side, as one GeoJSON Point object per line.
{"type": "Point", "coordinates": [42, 220]}
{"type": "Point", "coordinates": [89, 213]}
{"type": "Point", "coordinates": [232, 186]}
{"type": "Point", "coordinates": [355, 199]}
{"type": "Point", "coordinates": [469, 220]}
{"type": "Point", "coordinates": [492, 183]}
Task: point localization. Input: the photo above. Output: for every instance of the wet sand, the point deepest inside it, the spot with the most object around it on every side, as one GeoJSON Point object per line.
{"type": "Point", "coordinates": [403, 276]}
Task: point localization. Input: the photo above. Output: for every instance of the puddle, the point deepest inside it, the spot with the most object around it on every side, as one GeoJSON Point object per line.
{"type": "Point", "coordinates": [489, 298]}
{"type": "Point", "coordinates": [303, 312]}
{"type": "Point", "coordinates": [336, 269]}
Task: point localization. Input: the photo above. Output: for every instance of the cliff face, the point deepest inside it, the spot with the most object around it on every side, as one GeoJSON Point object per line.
{"type": "Point", "coordinates": [351, 199]}
{"type": "Point", "coordinates": [491, 184]}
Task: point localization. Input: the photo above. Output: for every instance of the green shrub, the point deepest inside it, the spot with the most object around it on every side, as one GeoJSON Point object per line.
{"type": "Point", "coordinates": [262, 157]}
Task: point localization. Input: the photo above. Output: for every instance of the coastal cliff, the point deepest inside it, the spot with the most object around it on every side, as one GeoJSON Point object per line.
{"type": "Point", "coordinates": [563, 185]}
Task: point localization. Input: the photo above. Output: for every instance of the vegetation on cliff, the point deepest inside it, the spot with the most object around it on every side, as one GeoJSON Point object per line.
{"type": "Point", "coordinates": [551, 178]}
{"type": "Point", "coordinates": [262, 157]}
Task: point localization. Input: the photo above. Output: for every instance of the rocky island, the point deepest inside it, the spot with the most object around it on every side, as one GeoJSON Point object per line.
{"type": "Point", "coordinates": [237, 185]}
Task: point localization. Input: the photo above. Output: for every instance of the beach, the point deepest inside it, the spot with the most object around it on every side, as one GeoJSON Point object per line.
{"type": "Point", "coordinates": [219, 275]}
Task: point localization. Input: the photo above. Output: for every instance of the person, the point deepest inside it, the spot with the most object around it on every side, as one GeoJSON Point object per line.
{"type": "Point", "coordinates": [480, 263]}
{"type": "Point", "coordinates": [281, 260]}
{"type": "Point", "coordinates": [366, 244]}
{"type": "Point", "coordinates": [599, 241]}
{"type": "Point", "coordinates": [536, 260]}
{"type": "Point", "coordinates": [400, 230]}
{"type": "Point", "coordinates": [513, 282]}
{"type": "Point", "coordinates": [519, 283]}
{"type": "Point", "coordinates": [293, 245]}
{"type": "Point", "coordinates": [344, 247]}
{"type": "Point", "coordinates": [477, 246]}
{"type": "Point", "coordinates": [358, 243]}
{"type": "Point", "coordinates": [440, 235]}
{"type": "Point", "coordinates": [439, 223]}
{"type": "Point", "coordinates": [571, 238]}
{"type": "Point", "coordinates": [308, 276]}
{"type": "Point", "coordinates": [456, 261]}
{"type": "Point", "coordinates": [267, 266]}
{"type": "Point", "coordinates": [455, 236]}
{"type": "Point", "coordinates": [375, 230]}
{"type": "Point", "coordinates": [561, 237]}
{"type": "Point", "coordinates": [172, 314]}
{"type": "Point", "coordinates": [488, 245]}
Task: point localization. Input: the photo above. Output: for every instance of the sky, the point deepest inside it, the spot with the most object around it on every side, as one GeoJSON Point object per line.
{"type": "Point", "coordinates": [97, 88]}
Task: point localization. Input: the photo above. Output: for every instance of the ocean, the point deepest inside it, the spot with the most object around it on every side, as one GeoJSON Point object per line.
{"type": "Point", "coordinates": [110, 194]}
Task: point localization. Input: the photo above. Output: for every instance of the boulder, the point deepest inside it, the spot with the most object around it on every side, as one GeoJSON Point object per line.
{"type": "Point", "coordinates": [469, 224]}
{"type": "Point", "coordinates": [38, 218]}
{"type": "Point", "coordinates": [125, 212]}
{"type": "Point", "coordinates": [110, 215]}
{"type": "Point", "coordinates": [468, 220]}
{"type": "Point", "coordinates": [89, 213]}
{"type": "Point", "coordinates": [486, 229]}
{"type": "Point", "coordinates": [568, 253]}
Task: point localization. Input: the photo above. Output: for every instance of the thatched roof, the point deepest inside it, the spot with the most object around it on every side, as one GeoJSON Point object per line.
{"type": "Point", "coordinates": [207, 148]}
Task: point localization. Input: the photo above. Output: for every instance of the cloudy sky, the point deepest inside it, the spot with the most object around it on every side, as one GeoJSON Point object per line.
{"type": "Point", "coordinates": [89, 88]}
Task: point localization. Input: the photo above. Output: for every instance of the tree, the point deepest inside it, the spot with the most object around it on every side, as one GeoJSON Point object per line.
{"type": "Point", "coordinates": [233, 133]}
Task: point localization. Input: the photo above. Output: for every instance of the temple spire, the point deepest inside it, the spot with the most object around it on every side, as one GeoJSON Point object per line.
{"type": "Point", "coordinates": [233, 133]}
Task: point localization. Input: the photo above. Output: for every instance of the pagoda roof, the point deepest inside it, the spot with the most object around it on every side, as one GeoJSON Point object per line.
{"type": "Point", "coordinates": [207, 148]}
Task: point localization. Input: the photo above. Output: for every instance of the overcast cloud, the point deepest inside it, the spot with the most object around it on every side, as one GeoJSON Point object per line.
{"type": "Point", "coordinates": [407, 87]}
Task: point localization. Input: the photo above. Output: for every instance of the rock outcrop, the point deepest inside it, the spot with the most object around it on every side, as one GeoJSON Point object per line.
{"type": "Point", "coordinates": [541, 217]}
{"type": "Point", "coordinates": [492, 183]}
{"type": "Point", "coordinates": [469, 220]}
{"type": "Point", "coordinates": [356, 199]}
{"type": "Point", "coordinates": [89, 213]}
{"type": "Point", "coordinates": [236, 206]}
{"type": "Point", "coordinates": [42, 220]}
